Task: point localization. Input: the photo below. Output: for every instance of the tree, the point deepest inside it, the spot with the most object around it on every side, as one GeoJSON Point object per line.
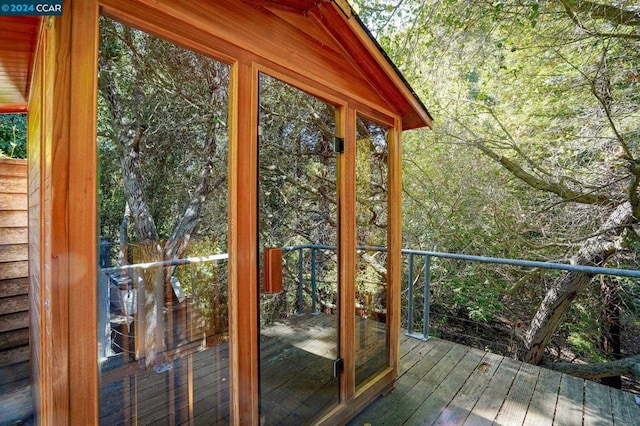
{"type": "Point", "coordinates": [13, 135]}
{"type": "Point", "coordinates": [162, 117]}
{"type": "Point", "coordinates": [547, 91]}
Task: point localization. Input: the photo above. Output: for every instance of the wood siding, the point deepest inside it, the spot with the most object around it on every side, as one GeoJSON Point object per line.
{"type": "Point", "coordinates": [14, 282]}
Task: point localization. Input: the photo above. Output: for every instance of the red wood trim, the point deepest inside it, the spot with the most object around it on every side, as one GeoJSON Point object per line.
{"type": "Point", "coordinates": [346, 252]}
{"type": "Point", "coordinates": [13, 108]}
{"type": "Point", "coordinates": [81, 256]}
{"type": "Point", "coordinates": [243, 235]}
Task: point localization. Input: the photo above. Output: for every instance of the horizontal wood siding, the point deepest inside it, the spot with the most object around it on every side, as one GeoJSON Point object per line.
{"type": "Point", "coordinates": [14, 271]}
{"type": "Point", "coordinates": [18, 37]}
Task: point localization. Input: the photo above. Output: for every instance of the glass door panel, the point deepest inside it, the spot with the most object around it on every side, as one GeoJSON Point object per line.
{"type": "Point", "coordinates": [162, 217]}
{"type": "Point", "coordinates": [371, 332]}
{"type": "Point", "coordinates": [298, 239]}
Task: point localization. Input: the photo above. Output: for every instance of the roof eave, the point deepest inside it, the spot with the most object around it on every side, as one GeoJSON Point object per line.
{"type": "Point", "coordinates": [421, 117]}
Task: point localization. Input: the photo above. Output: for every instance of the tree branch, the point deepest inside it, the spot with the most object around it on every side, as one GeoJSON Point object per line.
{"type": "Point", "coordinates": [607, 12]}
{"type": "Point", "coordinates": [598, 370]}
{"type": "Point", "coordinates": [535, 182]}
{"type": "Point", "coordinates": [614, 14]}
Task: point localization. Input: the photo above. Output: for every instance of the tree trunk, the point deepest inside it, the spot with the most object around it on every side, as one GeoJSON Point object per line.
{"type": "Point", "coordinates": [594, 252]}
{"type": "Point", "coordinates": [149, 323]}
{"type": "Point", "coordinates": [610, 328]}
{"type": "Point", "coordinates": [123, 252]}
{"type": "Point", "coordinates": [177, 245]}
{"type": "Point", "coordinates": [149, 330]}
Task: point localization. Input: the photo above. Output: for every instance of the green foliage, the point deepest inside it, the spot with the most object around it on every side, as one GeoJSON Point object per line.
{"type": "Point", "coordinates": [585, 347]}
{"type": "Point", "coordinates": [297, 187]}
{"type": "Point", "coordinates": [205, 283]}
{"type": "Point", "coordinates": [13, 135]}
{"type": "Point", "coordinates": [180, 99]}
{"type": "Point", "coordinates": [550, 87]}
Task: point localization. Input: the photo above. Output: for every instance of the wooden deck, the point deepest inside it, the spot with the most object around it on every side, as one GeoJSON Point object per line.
{"type": "Point", "coordinates": [444, 383]}
{"type": "Point", "coordinates": [441, 383]}
{"type": "Point", "coordinates": [296, 380]}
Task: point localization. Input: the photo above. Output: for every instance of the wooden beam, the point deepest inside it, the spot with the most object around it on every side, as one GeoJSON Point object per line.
{"type": "Point", "coordinates": [346, 251]}
{"type": "Point", "coordinates": [394, 253]}
{"type": "Point", "coordinates": [18, 108]}
{"type": "Point", "coordinates": [264, 37]}
{"type": "Point", "coordinates": [368, 55]}
{"type": "Point", "coordinates": [82, 213]}
{"type": "Point", "coordinates": [243, 244]}
{"type": "Point", "coordinates": [54, 189]}
{"type": "Point", "coordinates": [36, 318]}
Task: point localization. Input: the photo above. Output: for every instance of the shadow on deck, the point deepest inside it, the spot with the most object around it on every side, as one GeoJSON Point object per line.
{"type": "Point", "coordinates": [446, 383]}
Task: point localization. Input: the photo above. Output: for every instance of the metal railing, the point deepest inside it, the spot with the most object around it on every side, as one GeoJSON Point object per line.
{"type": "Point", "coordinates": [132, 274]}
{"type": "Point", "coordinates": [425, 270]}
{"type": "Point", "coordinates": [313, 279]}
{"type": "Point", "coordinates": [411, 275]}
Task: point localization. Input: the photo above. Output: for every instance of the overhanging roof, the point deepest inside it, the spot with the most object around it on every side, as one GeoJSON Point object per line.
{"type": "Point", "coordinates": [339, 19]}
{"type": "Point", "coordinates": [19, 35]}
{"type": "Point", "coordinates": [414, 112]}
{"type": "Point", "coordinates": [18, 39]}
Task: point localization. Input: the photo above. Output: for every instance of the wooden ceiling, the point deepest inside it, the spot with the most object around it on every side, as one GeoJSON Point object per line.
{"type": "Point", "coordinates": [18, 38]}
{"type": "Point", "coordinates": [302, 6]}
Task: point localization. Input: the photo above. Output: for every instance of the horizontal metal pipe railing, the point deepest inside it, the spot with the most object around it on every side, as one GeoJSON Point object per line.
{"type": "Point", "coordinates": [532, 263]}
{"type": "Point", "coordinates": [104, 296]}
{"type": "Point", "coordinates": [163, 263]}
{"type": "Point", "coordinates": [594, 270]}
{"type": "Point", "coordinates": [410, 253]}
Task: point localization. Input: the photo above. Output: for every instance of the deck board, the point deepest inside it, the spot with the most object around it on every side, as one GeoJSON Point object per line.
{"type": "Point", "coordinates": [471, 391]}
{"type": "Point", "coordinates": [544, 399]}
{"type": "Point", "coordinates": [440, 383]}
{"type": "Point", "coordinates": [438, 402]}
{"type": "Point", "coordinates": [624, 408]}
{"type": "Point", "coordinates": [428, 380]}
{"type": "Point", "coordinates": [514, 408]}
{"type": "Point", "coordinates": [443, 384]}
{"type": "Point", "coordinates": [489, 404]}
{"type": "Point", "coordinates": [597, 405]}
{"type": "Point", "coordinates": [570, 398]}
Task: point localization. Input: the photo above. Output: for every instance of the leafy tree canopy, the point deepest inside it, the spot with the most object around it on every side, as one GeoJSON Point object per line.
{"type": "Point", "coordinates": [13, 135]}
{"type": "Point", "coordinates": [536, 146]}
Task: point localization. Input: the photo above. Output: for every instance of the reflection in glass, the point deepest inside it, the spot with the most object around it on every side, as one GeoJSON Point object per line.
{"type": "Point", "coordinates": [298, 229]}
{"type": "Point", "coordinates": [371, 349]}
{"type": "Point", "coordinates": [162, 146]}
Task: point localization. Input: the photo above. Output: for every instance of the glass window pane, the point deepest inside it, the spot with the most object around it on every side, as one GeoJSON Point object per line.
{"type": "Point", "coordinates": [298, 233]}
{"type": "Point", "coordinates": [372, 354]}
{"type": "Point", "coordinates": [163, 316]}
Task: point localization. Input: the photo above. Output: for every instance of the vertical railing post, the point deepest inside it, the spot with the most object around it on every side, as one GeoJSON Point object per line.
{"type": "Point", "coordinates": [104, 315]}
{"type": "Point", "coordinates": [300, 283]}
{"type": "Point", "coordinates": [160, 321]}
{"type": "Point", "coordinates": [410, 296]}
{"type": "Point", "coordinates": [314, 292]}
{"type": "Point", "coordinates": [140, 324]}
{"type": "Point", "coordinates": [425, 298]}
